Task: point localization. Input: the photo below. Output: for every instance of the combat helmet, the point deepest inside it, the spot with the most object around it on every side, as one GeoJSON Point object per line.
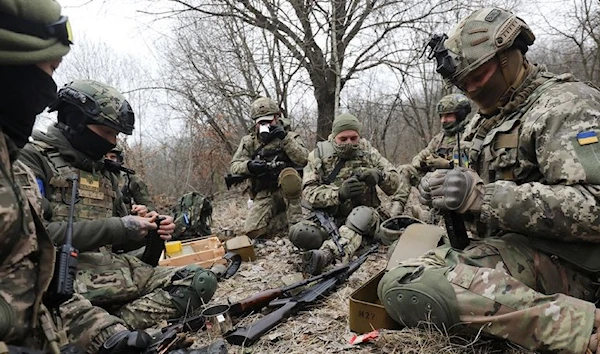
{"type": "Point", "coordinates": [455, 103]}
{"type": "Point", "coordinates": [476, 40]}
{"type": "Point", "coordinates": [263, 106]}
{"type": "Point", "coordinates": [99, 103]}
{"type": "Point", "coordinates": [118, 150]}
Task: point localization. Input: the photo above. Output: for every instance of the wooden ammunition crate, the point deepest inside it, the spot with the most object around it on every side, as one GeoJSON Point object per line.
{"type": "Point", "coordinates": [205, 253]}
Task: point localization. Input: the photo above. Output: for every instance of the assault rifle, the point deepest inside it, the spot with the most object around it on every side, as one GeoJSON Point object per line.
{"type": "Point", "coordinates": [154, 246]}
{"type": "Point", "coordinates": [272, 168]}
{"type": "Point", "coordinates": [170, 337]}
{"type": "Point", "coordinates": [116, 167]}
{"type": "Point", "coordinates": [247, 336]}
{"type": "Point", "coordinates": [328, 223]}
{"type": "Point", "coordinates": [61, 286]}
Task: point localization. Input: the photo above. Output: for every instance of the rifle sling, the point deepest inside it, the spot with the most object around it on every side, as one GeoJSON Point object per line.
{"type": "Point", "coordinates": [336, 171]}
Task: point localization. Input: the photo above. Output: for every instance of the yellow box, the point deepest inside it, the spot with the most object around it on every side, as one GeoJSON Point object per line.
{"type": "Point", "coordinates": [243, 246]}
{"type": "Point", "coordinates": [172, 248]}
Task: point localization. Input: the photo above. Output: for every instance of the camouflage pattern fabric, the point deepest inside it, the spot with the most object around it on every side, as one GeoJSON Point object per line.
{"type": "Point", "coordinates": [539, 162]}
{"type": "Point", "coordinates": [27, 254]}
{"type": "Point", "coordinates": [269, 208]}
{"type": "Point", "coordinates": [135, 191]}
{"type": "Point", "coordinates": [133, 291]}
{"type": "Point", "coordinates": [192, 215]}
{"type": "Point", "coordinates": [326, 196]}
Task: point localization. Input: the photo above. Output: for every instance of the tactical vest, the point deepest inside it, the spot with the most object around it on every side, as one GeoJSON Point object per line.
{"type": "Point", "coordinates": [269, 152]}
{"type": "Point", "coordinates": [96, 194]}
{"type": "Point", "coordinates": [447, 149]}
{"type": "Point", "coordinates": [326, 160]}
{"type": "Point", "coordinates": [493, 152]}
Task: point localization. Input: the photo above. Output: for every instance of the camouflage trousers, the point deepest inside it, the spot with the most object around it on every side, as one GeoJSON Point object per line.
{"type": "Point", "coordinates": [506, 288]}
{"type": "Point", "coordinates": [271, 213]}
{"type": "Point", "coordinates": [116, 292]}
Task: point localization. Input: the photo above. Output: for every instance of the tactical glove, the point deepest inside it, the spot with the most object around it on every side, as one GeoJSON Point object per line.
{"type": "Point", "coordinates": [257, 167]}
{"type": "Point", "coordinates": [277, 131]}
{"type": "Point", "coordinates": [371, 177]}
{"type": "Point", "coordinates": [351, 188]}
{"type": "Point", "coordinates": [459, 190]}
{"type": "Point", "coordinates": [435, 162]}
{"type": "Point", "coordinates": [126, 342]}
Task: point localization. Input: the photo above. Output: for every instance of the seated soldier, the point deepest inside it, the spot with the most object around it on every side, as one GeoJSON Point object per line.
{"type": "Point", "coordinates": [90, 116]}
{"type": "Point", "coordinates": [264, 155]}
{"type": "Point", "coordinates": [341, 178]}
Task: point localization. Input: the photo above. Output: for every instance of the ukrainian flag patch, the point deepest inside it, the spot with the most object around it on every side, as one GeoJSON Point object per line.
{"type": "Point", "coordinates": [586, 138]}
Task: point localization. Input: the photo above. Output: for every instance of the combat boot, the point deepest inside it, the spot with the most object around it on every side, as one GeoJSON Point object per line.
{"type": "Point", "coordinates": [314, 261]}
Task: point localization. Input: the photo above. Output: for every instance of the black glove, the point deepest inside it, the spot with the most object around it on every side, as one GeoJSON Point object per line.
{"type": "Point", "coordinates": [371, 177]}
{"type": "Point", "coordinates": [351, 188]}
{"type": "Point", "coordinates": [257, 167]}
{"type": "Point", "coordinates": [277, 131]}
{"type": "Point", "coordinates": [126, 342]}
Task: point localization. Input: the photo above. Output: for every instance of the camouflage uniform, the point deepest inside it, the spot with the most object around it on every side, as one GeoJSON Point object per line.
{"type": "Point", "coordinates": [135, 190]}
{"type": "Point", "coordinates": [321, 163]}
{"type": "Point", "coordinates": [524, 279]}
{"type": "Point", "coordinates": [268, 201]}
{"type": "Point", "coordinates": [26, 252]}
{"type": "Point", "coordinates": [137, 294]}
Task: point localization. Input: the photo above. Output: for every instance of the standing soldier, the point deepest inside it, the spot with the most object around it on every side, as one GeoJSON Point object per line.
{"type": "Point", "coordinates": [33, 39]}
{"type": "Point", "coordinates": [341, 179]}
{"type": "Point", "coordinates": [90, 116]}
{"type": "Point", "coordinates": [441, 152]}
{"type": "Point", "coordinates": [132, 186]}
{"type": "Point", "coordinates": [531, 274]}
{"type": "Point", "coordinates": [270, 155]}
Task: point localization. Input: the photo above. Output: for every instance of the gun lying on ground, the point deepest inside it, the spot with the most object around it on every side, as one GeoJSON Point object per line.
{"type": "Point", "coordinates": [328, 223]}
{"type": "Point", "coordinates": [154, 246]}
{"type": "Point", "coordinates": [173, 336]}
{"type": "Point", "coordinates": [249, 335]}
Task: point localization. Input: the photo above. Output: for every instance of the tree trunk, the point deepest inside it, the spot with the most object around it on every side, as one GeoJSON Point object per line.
{"type": "Point", "coordinates": [326, 110]}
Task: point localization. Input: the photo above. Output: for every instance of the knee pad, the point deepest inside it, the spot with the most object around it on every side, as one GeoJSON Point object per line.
{"type": "Point", "coordinates": [363, 220]}
{"type": "Point", "coordinates": [307, 236]}
{"type": "Point", "coordinates": [415, 296]}
{"type": "Point", "coordinates": [192, 287]}
{"type": "Point", "coordinates": [7, 318]}
{"type": "Point", "coordinates": [290, 182]}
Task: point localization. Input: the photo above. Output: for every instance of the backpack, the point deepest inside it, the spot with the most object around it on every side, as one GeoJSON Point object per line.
{"type": "Point", "coordinates": [192, 216]}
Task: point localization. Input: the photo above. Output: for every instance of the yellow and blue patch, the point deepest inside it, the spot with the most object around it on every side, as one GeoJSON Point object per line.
{"type": "Point", "coordinates": [586, 138]}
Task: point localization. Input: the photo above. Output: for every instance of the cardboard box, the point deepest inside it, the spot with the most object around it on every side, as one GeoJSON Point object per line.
{"type": "Point", "coordinates": [205, 253]}
{"type": "Point", "coordinates": [366, 311]}
{"type": "Point", "coordinates": [243, 246]}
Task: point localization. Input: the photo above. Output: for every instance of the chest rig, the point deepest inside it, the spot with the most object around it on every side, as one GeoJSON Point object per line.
{"type": "Point", "coordinates": [494, 142]}
{"type": "Point", "coordinates": [273, 151]}
{"type": "Point", "coordinates": [334, 170]}
{"type": "Point", "coordinates": [96, 195]}
{"type": "Point", "coordinates": [447, 149]}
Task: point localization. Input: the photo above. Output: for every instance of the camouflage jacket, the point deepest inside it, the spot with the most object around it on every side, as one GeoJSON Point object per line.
{"type": "Point", "coordinates": [291, 150]}
{"type": "Point", "coordinates": [539, 160]}
{"type": "Point", "coordinates": [26, 251]}
{"type": "Point", "coordinates": [441, 145]}
{"type": "Point", "coordinates": [135, 191]}
{"type": "Point", "coordinates": [321, 163]}
{"type": "Point", "coordinates": [92, 228]}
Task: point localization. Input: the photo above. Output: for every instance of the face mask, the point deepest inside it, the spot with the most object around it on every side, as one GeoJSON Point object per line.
{"type": "Point", "coordinates": [450, 128]}
{"type": "Point", "coordinates": [24, 93]}
{"type": "Point", "coordinates": [91, 144]}
{"type": "Point", "coordinates": [346, 150]}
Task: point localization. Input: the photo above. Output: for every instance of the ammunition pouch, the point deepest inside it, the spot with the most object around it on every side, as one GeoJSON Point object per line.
{"type": "Point", "coordinates": [192, 287]}
{"type": "Point", "coordinates": [7, 318]}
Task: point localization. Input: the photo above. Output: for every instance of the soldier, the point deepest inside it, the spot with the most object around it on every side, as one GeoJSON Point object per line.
{"type": "Point", "coordinates": [265, 155]}
{"type": "Point", "coordinates": [90, 116]}
{"type": "Point", "coordinates": [132, 186]}
{"type": "Point", "coordinates": [441, 150]}
{"type": "Point", "coordinates": [341, 177]}
{"type": "Point", "coordinates": [531, 274]}
{"type": "Point", "coordinates": [33, 39]}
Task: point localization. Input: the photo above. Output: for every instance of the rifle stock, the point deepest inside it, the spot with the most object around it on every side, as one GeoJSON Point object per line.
{"type": "Point", "coordinates": [249, 335]}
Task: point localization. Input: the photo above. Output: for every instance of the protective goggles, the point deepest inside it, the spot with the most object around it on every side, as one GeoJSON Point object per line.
{"type": "Point", "coordinates": [60, 29]}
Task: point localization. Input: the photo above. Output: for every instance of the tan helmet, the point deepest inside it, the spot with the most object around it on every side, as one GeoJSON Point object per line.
{"type": "Point", "coordinates": [32, 32]}
{"type": "Point", "coordinates": [477, 39]}
{"type": "Point", "coordinates": [263, 106]}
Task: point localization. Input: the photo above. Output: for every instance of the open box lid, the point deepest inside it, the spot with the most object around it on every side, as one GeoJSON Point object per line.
{"type": "Point", "coordinates": [415, 241]}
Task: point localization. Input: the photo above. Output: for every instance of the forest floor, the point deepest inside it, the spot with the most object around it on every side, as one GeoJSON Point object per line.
{"type": "Point", "coordinates": [322, 328]}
